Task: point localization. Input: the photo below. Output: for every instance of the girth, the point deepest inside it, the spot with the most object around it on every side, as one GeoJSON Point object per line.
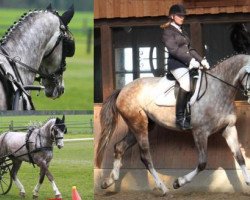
{"type": "Point", "coordinates": [27, 142]}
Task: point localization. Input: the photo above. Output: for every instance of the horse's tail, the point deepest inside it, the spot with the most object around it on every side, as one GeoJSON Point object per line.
{"type": "Point", "coordinates": [108, 119]}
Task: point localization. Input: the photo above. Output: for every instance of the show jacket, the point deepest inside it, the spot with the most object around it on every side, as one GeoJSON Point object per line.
{"type": "Point", "coordinates": [179, 49]}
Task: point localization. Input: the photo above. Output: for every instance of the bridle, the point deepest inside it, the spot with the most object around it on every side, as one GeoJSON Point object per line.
{"type": "Point", "coordinates": [68, 50]}
{"type": "Point", "coordinates": [55, 131]}
{"type": "Point", "coordinates": [246, 89]}
{"type": "Point", "coordinates": [52, 77]}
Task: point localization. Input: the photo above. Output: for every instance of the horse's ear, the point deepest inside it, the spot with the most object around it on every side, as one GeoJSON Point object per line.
{"type": "Point", "coordinates": [67, 16]}
{"type": "Point", "coordinates": [57, 121]}
{"type": "Point", "coordinates": [49, 7]}
{"type": "Point", "coordinates": [63, 118]}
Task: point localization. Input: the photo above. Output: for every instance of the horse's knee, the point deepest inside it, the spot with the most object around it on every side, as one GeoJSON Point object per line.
{"type": "Point", "coordinates": [202, 166]}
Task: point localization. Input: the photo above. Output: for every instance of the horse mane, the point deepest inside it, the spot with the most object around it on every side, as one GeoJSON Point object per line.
{"type": "Point", "coordinates": [228, 65]}
{"type": "Point", "coordinates": [35, 125]}
{"type": "Point", "coordinates": [17, 24]}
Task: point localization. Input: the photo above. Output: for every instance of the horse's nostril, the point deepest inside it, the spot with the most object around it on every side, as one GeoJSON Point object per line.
{"type": "Point", "coordinates": [61, 90]}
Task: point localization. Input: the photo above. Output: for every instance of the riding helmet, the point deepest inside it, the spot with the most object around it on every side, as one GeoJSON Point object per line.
{"type": "Point", "coordinates": [177, 9]}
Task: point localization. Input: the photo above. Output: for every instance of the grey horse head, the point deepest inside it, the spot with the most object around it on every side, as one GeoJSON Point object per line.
{"type": "Point", "coordinates": [41, 40]}
{"type": "Point", "coordinates": [53, 63]}
{"type": "Point", "coordinates": [58, 130]}
{"type": "Point", "coordinates": [243, 78]}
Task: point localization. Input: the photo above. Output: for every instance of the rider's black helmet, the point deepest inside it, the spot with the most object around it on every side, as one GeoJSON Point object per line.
{"type": "Point", "coordinates": [177, 9]}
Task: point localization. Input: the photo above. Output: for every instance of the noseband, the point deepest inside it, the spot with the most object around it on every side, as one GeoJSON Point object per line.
{"type": "Point", "coordinates": [246, 89]}
{"type": "Point", "coordinates": [54, 137]}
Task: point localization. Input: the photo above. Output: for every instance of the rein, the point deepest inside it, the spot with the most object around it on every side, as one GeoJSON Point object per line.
{"type": "Point", "coordinates": [230, 85]}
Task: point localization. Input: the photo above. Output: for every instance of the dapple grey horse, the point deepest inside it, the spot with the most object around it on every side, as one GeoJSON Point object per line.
{"type": "Point", "coordinates": [36, 147]}
{"type": "Point", "coordinates": [35, 45]}
{"type": "Point", "coordinates": [215, 111]}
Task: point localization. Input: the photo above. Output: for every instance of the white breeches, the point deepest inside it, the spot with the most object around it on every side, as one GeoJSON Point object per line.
{"type": "Point", "coordinates": [183, 77]}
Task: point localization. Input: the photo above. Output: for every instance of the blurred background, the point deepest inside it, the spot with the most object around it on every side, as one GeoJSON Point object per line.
{"type": "Point", "coordinates": [78, 77]}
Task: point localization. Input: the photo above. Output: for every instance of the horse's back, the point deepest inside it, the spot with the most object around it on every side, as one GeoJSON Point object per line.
{"type": "Point", "coordinates": [11, 141]}
{"type": "Point", "coordinates": [134, 95]}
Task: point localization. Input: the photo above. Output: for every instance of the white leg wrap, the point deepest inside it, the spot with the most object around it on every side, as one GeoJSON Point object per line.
{"type": "Point", "coordinates": [19, 185]}
{"type": "Point", "coordinates": [158, 181]}
{"type": "Point", "coordinates": [245, 174]}
{"type": "Point", "coordinates": [116, 169]}
{"type": "Point", "coordinates": [55, 189]}
{"type": "Point", "coordinates": [188, 178]}
{"type": "Point", "coordinates": [36, 189]}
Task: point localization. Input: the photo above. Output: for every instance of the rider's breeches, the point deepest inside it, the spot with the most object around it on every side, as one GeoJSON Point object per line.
{"type": "Point", "coordinates": [183, 77]}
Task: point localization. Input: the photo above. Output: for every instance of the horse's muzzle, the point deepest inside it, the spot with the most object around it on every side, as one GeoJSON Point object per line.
{"type": "Point", "coordinates": [60, 146]}
{"type": "Point", "coordinates": [55, 92]}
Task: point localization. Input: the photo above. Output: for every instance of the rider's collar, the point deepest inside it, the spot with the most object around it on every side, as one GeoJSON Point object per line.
{"type": "Point", "coordinates": [176, 26]}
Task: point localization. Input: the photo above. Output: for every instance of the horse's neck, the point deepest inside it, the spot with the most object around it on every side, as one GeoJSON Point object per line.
{"type": "Point", "coordinates": [29, 41]}
{"type": "Point", "coordinates": [229, 71]}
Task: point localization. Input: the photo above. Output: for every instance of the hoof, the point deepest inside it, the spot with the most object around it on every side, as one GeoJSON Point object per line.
{"type": "Point", "coordinates": [107, 183]}
{"type": "Point", "coordinates": [35, 196]}
{"type": "Point", "coordinates": [22, 195]}
{"type": "Point", "coordinates": [58, 196]}
{"type": "Point", "coordinates": [176, 184]}
{"type": "Point", "coordinates": [159, 192]}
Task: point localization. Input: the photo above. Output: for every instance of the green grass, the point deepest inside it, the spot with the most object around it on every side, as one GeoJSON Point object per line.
{"type": "Point", "coordinates": [78, 125]}
{"type": "Point", "coordinates": [78, 76]}
{"type": "Point", "coordinates": [71, 166]}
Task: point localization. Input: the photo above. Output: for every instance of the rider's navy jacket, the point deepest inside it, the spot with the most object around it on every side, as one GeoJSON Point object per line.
{"type": "Point", "coordinates": [179, 49]}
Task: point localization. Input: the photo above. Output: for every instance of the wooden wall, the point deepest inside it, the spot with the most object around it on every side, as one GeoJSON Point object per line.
{"type": "Point", "coordinates": [176, 150]}
{"type": "Point", "coordinates": [145, 8]}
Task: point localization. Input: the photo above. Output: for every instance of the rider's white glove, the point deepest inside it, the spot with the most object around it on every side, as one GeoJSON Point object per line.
{"type": "Point", "coordinates": [194, 64]}
{"type": "Point", "coordinates": [205, 64]}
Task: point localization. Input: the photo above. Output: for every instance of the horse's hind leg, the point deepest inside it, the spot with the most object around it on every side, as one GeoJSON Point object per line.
{"type": "Point", "coordinates": [16, 166]}
{"type": "Point", "coordinates": [128, 141]}
{"type": "Point", "coordinates": [201, 144]}
{"type": "Point", "coordinates": [231, 136]}
{"type": "Point", "coordinates": [139, 126]}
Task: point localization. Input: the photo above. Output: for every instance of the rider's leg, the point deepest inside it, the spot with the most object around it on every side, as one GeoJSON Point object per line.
{"type": "Point", "coordinates": [182, 76]}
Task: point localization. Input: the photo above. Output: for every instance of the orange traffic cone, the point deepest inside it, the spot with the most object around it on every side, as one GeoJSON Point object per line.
{"type": "Point", "coordinates": [75, 195]}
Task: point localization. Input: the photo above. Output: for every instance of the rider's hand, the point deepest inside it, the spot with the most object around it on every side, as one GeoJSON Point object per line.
{"type": "Point", "coordinates": [205, 64]}
{"type": "Point", "coordinates": [194, 64]}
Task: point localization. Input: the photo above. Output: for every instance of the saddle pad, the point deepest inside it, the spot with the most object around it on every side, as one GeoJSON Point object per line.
{"type": "Point", "coordinates": [164, 95]}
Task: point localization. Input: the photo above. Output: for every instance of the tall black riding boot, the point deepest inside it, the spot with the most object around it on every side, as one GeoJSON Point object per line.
{"type": "Point", "coordinates": [181, 104]}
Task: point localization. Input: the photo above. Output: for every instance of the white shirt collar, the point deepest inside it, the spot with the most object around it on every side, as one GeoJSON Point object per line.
{"type": "Point", "coordinates": [176, 26]}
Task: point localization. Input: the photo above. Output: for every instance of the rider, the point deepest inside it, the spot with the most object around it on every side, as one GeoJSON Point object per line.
{"type": "Point", "coordinates": [182, 58]}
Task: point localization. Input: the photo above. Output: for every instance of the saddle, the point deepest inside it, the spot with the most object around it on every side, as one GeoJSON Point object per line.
{"type": "Point", "coordinates": [167, 89]}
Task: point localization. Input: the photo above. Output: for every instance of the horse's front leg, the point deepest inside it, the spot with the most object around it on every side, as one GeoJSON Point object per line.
{"type": "Point", "coordinates": [41, 179]}
{"type": "Point", "coordinates": [45, 171]}
{"type": "Point", "coordinates": [201, 144]}
{"type": "Point", "coordinates": [231, 136]}
{"type": "Point", "coordinates": [52, 181]}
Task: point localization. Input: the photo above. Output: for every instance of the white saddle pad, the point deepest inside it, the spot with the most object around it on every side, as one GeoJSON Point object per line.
{"type": "Point", "coordinates": [165, 96]}
{"type": "Point", "coordinates": [165, 93]}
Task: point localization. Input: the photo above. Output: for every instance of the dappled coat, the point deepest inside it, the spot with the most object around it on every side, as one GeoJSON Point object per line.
{"type": "Point", "coordinates": [179, 49]}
